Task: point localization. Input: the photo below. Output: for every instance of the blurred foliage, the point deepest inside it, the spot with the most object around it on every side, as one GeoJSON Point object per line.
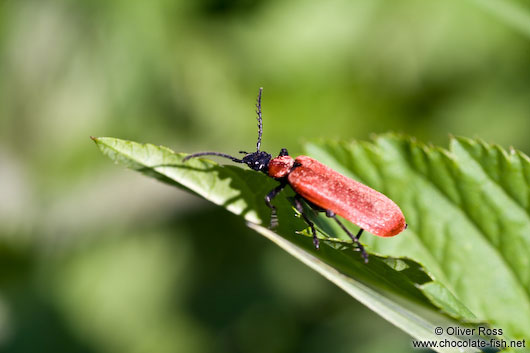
{"type": "Point", "coordinates": [97, 259]}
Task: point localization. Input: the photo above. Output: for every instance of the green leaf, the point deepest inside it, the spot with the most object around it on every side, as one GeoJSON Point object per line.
{"type": "Point", "coordinates": [396, 287]}
{"type": "Point", "coordinates": [468, 210]}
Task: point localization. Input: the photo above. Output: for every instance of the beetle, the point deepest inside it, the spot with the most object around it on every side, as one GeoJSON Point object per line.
{"type": "Point", "coordinates": [323, 189]}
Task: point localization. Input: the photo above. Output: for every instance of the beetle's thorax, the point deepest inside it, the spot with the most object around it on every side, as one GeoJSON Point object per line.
{"type": "Point", "coordinates": [280, 167]}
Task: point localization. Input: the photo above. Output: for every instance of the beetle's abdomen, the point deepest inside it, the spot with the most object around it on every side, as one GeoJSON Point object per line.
{"type": "Point", "coordinates": [347, 198]}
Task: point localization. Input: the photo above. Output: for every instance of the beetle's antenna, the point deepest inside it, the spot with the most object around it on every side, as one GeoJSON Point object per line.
{"type": "Point", "coordinates": [234, 159]}
{"type": "Point", "coordinates": [260, 121]}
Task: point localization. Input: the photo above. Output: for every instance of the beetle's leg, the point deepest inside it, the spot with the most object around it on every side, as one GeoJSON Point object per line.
{"type": "Point", "coordinates": [272, 194]}
{"type": "Point", "coordinates": [283, 152]}
{"type": "Point", "coordinates": [358, 236]}
{"type": "Point", "coordinates": [300, 208]}
{"type": "Point", "coordinates": [355, 239]}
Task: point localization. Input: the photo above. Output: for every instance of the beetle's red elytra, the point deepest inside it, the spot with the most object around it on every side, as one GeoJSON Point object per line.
{"type": "Point", "coordinates": [323, 189]}
{"type": "Point", "coordinates": [346, 197]}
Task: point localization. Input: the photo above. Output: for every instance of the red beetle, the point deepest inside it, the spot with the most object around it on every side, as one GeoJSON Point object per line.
{"type": "Point", "coordinates": [323, 189]}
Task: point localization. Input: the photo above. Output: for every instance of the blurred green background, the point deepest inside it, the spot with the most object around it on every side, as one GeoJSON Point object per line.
{"type": "Point", "coordinates": [94, 258]}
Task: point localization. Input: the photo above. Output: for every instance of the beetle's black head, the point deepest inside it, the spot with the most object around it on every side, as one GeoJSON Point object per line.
{"type": "Point", "coordinates": [258, 161]}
